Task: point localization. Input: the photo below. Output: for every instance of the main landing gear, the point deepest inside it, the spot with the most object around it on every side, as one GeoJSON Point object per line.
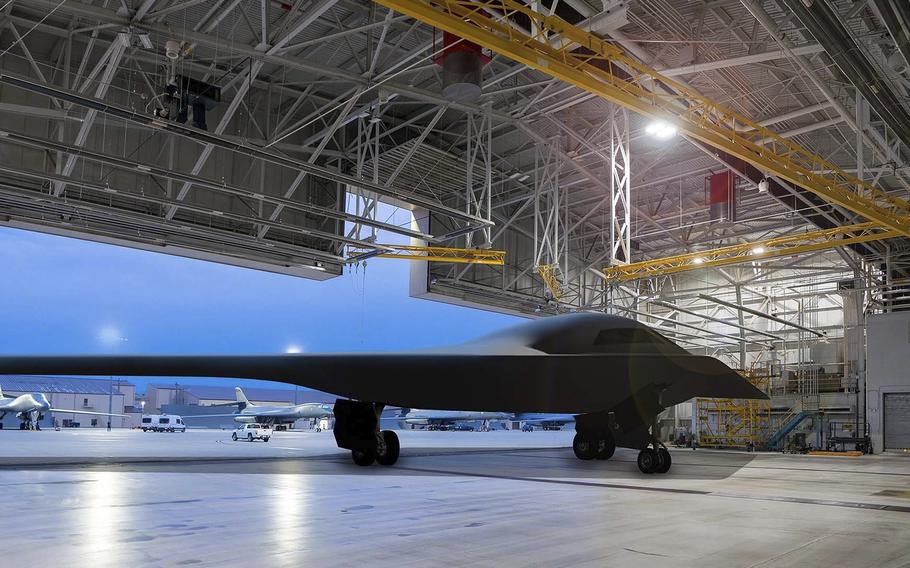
{"type": "Point", "coordinates": [29, 421]}
{"type": "Point", "coordinates": [589, 446]}
{"type": "Point", "coordinates": [357, 429]}
{"type": "Point", "coordinates": [597, 435]}
{"type": "Point", "coordinates": [385, 451]}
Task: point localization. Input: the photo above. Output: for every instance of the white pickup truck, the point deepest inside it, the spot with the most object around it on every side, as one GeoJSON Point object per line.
{"type": "Point", "coordinates": [250, 432]}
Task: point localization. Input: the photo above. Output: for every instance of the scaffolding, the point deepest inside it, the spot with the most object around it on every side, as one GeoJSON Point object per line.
{"type": "Point", "coordinates": [735, 423]}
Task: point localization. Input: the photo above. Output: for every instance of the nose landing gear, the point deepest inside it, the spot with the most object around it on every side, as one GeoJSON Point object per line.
{"type": "Point", "coordinates": [654, 459]}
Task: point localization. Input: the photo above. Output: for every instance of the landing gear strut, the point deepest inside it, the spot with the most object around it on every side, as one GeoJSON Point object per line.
{"type": "Point", "coordinates": [357, 429]}
{"type": "Point", "coordinates": [30, 421]}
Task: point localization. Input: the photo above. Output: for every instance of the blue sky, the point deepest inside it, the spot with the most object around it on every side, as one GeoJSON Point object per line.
{"type": "Point", "coordinates": [68, 296]}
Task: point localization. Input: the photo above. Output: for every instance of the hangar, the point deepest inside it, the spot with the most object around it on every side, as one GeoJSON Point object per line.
{"type": "Point", "coordinates": [731, 173]}
{"type": "Point", "coordinates": [158, 395]}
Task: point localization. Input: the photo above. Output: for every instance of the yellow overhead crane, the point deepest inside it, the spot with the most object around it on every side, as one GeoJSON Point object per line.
{"type": "Point", "coordinates": [432, 254]}
{"type": "Point", "coordinates": [599, 67]}
{"type": "Point", "coordinates": [787, 245]}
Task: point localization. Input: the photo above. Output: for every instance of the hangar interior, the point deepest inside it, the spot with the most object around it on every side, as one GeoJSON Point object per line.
{"type": "Point", "coordinates": [731, 172]}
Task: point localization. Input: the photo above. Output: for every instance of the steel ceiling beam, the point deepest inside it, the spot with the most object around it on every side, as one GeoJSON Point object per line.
{"type": "Point", "coordinates": [110, 63]}
{"type": "Point", "coordinates": [742, 60]}
{"type": "Point", "coordinates": [761, 314]}
{"type": "Point", "coordinates": [670, 306]}
{"type": "Point", "coordinates": [242, 147]}
{"type": "Point", "coordinates": [134, 166]}
{"type": "Point", "coordinates": [691, 113]}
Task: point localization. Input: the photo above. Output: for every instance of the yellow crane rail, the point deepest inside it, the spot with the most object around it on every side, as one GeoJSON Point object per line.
{"type": "Point", "coordinates": [760, 250]}
{"type": "Point", "coordinates": [599, 67]}
{"type": "Point", "coordinates": [433, 254]}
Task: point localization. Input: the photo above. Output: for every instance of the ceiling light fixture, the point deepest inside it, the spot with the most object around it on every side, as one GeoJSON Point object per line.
{"type": "Point", "coordinates": [661, 130]}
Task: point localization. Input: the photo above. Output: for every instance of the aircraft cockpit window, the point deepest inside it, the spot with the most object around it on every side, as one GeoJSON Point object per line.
{"type": "Point", "coordinates": [623, 336]}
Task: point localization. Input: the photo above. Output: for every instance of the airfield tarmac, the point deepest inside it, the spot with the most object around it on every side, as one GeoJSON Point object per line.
{"type": "Point", "coordinates": [97, 498]}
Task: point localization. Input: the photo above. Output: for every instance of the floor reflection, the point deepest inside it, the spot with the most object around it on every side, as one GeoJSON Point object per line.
{"type": "Point", "coordinates": [100, 515]}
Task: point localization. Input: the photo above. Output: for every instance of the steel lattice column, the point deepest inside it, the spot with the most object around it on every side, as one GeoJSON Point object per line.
{"type": "Point", "coordinates": [550, 221]}
{"type": "Point", "coordinates": [479, 158]}
{"type": "Point", "coordinates": [620, 185]}
{"type": "Point", "coordinates": [363, 202]}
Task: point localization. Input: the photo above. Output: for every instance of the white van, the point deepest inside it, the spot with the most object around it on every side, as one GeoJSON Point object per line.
{"type": "Point", "coordinates": [162, 423]}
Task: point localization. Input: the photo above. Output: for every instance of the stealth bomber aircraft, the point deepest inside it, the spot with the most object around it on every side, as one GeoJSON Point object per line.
{"type": "Point", "coordinates": [615, 375]}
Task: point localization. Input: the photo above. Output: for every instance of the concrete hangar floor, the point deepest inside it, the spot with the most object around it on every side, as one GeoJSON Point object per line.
{"type": "Point", "coordinates": [98, 498]}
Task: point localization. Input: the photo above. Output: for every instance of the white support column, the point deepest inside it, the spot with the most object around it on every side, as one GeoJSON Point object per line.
{"type": "Point", "coordinates": [861, 121]}
{"type": "Point", "coordinates": [364, 202]}
{"type": "Point", "coordinates": [550, 209]}
{"type": "Point", "coordinates": [620, 185]}
{"type": "Point", "coordinates": [479, 160]}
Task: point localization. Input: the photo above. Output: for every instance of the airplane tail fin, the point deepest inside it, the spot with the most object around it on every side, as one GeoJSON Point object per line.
{"type": "Point", "coordinates": [241, 398]}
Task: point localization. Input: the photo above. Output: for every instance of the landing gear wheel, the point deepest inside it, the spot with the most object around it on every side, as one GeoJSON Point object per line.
{"type": "Point", "coordinates": [585, 447]}
{"type": "Point", "coordinates": [363, 457]}
{"type": "Point", "coordinates": [648, 462]}
{"type": "Point", "coordinates": [388, 448]}
{"type": "Point", "coordinates": [605, 448]}
{"type": "Point", "coordinates": [663, 457]}
{"type": "Point", "coordinates": [234, 436]}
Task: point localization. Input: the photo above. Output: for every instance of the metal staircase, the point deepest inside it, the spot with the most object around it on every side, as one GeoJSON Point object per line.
{"type": "Point", "coordinates": [789, 423]}
{"type": "Point", "coordinates": [805, 406]}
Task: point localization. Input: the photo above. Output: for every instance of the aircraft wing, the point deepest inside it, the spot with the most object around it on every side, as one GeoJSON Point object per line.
{"type": "Point", "coordinates": [68, 411]}
{"type": "Point", "coordinates": [272, 412]}
{"type": "Point", "coordinates": [211, 415]}
{"type": "Point", "coordinates": [518, 380]}
{"type": "Point", "coordinates": [538, 418]}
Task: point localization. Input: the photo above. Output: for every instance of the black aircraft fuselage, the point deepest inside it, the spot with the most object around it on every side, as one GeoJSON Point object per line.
{"type": "Point", "coordinates": [614, 374]}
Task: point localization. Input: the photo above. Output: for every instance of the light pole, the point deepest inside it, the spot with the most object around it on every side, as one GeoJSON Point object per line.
{"type": "Point", "coordinates": [110, 402]}
{"type": "Point", "coordinates": [110, 337]}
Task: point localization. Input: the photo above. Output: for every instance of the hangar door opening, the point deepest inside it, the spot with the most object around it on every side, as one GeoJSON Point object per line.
{"type": "Point", "coordinates": [897, 421]}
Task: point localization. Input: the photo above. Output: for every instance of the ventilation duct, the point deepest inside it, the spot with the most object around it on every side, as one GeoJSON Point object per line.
{"type": "Point", "coordinates": [462, 65]}
{"type": "Point", "coordinates": [721, 196]}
